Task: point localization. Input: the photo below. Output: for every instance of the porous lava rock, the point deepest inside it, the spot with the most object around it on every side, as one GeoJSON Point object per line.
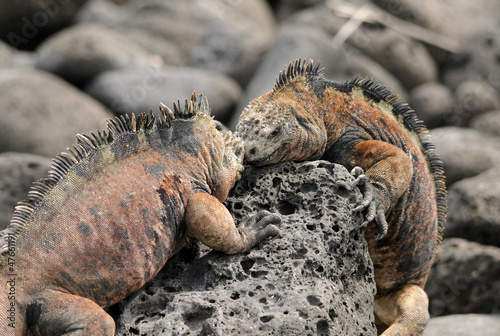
{"type": "Point", "coordinates": [315, 279]}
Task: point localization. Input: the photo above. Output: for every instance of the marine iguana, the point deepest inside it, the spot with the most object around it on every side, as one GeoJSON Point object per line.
{"type": "Point", "coordinates": [369, 130]}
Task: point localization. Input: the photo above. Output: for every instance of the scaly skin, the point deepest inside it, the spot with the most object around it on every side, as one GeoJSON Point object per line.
{"type": "Point", "coordinates": [112, 212]}
{"type": "Point", "coordinates": [362, 126]}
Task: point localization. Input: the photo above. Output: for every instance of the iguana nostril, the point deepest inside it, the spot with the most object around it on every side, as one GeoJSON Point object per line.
{"type": "Point", "coordinates": [252, 151]}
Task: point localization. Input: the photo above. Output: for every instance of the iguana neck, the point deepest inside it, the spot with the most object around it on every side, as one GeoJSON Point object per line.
{"type": "Point", "coordinates": [327, 112]}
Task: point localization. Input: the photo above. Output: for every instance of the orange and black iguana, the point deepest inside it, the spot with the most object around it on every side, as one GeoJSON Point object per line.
{"type": "Point", "coordinates": [110, 214]}
{"type": "Point", "coordinates": [364, 127]}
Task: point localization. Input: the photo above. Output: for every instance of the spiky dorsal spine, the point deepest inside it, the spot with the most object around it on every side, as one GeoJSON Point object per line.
{"type": "Point", "coordinates": [296, 69]}
{"type": "Point", "coordinates": [85, 146]}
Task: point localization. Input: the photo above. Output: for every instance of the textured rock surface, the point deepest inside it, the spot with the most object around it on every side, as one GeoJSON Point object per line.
{"type": "Point", "coordinates": [465, 152]}
{"type": "Point", "coordinates": [464, 325]}
{"type": "Point", "coordinates": [316, 279]}
{"type": "Point", "coordinates": [17, 172]}
{"type": "Point", "coordinates": [474, 208]}
{"type": "Point", "coordinates": [464, 279]}
{"type": "Point", "coordinates": [41, 113]}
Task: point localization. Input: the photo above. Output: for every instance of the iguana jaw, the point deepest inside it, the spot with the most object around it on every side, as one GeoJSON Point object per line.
{"type": "Point", "coordinates": [258, 155]}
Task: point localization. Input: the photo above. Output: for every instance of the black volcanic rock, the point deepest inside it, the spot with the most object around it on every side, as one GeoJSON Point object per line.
{"type": "Point", "coordinates": [316, 279]}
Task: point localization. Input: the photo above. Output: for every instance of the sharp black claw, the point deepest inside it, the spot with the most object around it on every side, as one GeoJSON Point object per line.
{"type": "Point", "coordinates": [359, 208]}
{"type": "Point", "coordinates": [382, 225]}
{"type": "Point", "coordinates": [356, 171]}
{"type": "Point", "coordinates": [364, 224]}
{"type": "Point", "coordinates": [369, 202]}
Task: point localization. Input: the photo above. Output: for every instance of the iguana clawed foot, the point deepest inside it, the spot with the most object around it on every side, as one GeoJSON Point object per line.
{"type": "Point", "coordinates": [260, 226]}
{"type": "Point", "coordinates": [370, 203]}
{"type": "Point", "coordinates": [209, 221]}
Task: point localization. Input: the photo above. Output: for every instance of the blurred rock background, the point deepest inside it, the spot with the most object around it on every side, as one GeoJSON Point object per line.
{"type": "Point", "coordinates": [68, 65]}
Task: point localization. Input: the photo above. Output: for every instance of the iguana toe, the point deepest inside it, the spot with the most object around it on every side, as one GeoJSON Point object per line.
{"type": "Point", "coordinates": [382, 225]}
{"type": "Point", "coordinates": [357, 171]}
{"type": "Point", "coordinates": [365, 186]}
{"type": "Point", "coordinates": [260, 226]}
{"type": "Point", "coordinates": [261, 220]}
{"type": "Point", "coordinates": [369, 203]}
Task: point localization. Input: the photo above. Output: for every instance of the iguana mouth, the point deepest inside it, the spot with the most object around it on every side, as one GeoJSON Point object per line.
{"type": "Point", "coordinates": [239, 172]}
{"type": "Point", "coordinates": [257, 157]}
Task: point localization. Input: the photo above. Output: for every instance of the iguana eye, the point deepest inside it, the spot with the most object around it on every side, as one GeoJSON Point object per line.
{"type": "Point", "coordinates": [219, 126]}
{"type": "Point", "coordinates": [276, 132]}
{"type": "Point", "coordinates": [238, 152]}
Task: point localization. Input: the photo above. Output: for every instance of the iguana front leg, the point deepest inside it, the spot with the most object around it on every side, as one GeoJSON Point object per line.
{"type": "Point", "coordinates": [384, 171]}
{"type": "Point", "coordinates": [57, 313]}
{"type": "Point", "coordinates": [209, 221]}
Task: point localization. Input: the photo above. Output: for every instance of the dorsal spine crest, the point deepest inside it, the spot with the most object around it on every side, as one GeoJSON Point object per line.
{"type": "Point", "coordinates": [298, 68]}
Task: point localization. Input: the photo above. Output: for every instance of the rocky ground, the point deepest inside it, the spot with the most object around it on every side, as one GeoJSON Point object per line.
{"type": "Point", "coordinates": [67, 66]}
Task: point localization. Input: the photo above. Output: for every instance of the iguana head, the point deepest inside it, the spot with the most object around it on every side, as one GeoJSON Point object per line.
{"type": "Point", "coordinates": [284, 124]}
{"type": "Point", "coordinates": [220, 151]}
